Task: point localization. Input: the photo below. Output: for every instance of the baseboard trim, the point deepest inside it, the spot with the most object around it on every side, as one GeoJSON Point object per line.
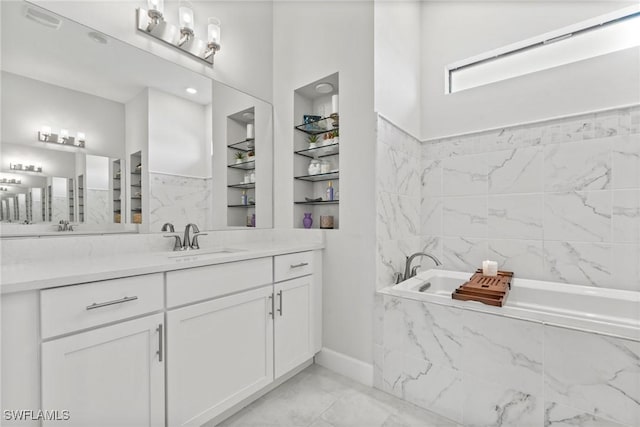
{"type": "Point", "coordinates": [345, 365]}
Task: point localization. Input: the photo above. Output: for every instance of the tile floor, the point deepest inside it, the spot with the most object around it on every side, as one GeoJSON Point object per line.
{"type": "Point", "coordinates": [317, 397]}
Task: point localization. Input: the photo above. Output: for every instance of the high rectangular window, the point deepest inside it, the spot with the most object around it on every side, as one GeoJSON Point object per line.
{"type": "Point", "coordinates": [605, 34]}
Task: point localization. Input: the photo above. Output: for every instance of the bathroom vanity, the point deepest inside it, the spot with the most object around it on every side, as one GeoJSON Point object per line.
{"type": "Point", "coordinates": [158, 339]}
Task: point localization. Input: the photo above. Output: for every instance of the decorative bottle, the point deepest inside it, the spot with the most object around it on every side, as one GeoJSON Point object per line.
{"type": "Point", "coordinates": [330, 191]}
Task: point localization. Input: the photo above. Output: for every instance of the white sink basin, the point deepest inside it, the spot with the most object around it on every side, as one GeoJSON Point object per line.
{"type": "Point", "coordinates": [201, 253]}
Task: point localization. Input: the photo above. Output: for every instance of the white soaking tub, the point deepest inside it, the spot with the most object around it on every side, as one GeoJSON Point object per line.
{"type": "Point", "coordinates": [554, 354]}
{"type": "Point", "coordinates": [608, 311]}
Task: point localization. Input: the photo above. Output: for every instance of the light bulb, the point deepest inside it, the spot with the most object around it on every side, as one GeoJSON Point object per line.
{"type": "Point", "coordinates": [185, 13]}
{"type": "Point", "coordinates": [64, 134]}
{"type": "Point", "coordinates": [213, 31]}
{"type": "Point", "coordinates": [80, 136]}
{"type": "Point", "coordinates": [45, 130]}
{"type": "Point", "coordinates": [156, 6]}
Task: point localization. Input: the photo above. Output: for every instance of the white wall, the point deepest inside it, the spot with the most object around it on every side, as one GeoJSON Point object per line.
{"type": "Point", "coordinates": [177, 136]}
{"type": "Point", "coordinates": [313, 40]}
{"type": "Point", "coordinates": [452, 31]}
{"type": "Point", "coordinates": [397, 62]}
{"type": "Point", "coordinates": [245, 60]}
{"type": "Point", "coordinates": [29, 104]}
{"type": "Point", "coordinates": [97, 175]}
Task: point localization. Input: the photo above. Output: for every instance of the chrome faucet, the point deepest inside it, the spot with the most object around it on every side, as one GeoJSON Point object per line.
{"type": "Point", "coordinates": [167, 226]}
{"type": "Point", "coordinates": [410, 272]}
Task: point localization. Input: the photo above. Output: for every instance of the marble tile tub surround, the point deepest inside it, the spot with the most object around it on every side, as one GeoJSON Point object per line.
{"type": "Point", "coordinates": [481, 369]}
{"type": "Point", "coordinates": [556, 200]}
{"type": "Point", "coordinates": [32, 250]}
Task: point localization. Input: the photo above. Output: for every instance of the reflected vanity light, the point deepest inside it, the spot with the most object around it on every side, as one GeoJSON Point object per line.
{"type": "Point", "coordinates": [25, 168]}
{"type": "Point", "coordinates": [181, 36]}
{"type": "Point", "coordinates": [46, 135]}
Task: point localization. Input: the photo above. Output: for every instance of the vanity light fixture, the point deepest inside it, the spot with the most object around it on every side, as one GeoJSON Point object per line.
{"type": "Point", "coordinates": [62, 138]}
{"type": "Point", "coordinates": [181, 36]}
{"type": "Point", "coordinates": [24, 168]}
{"type": "Point", "coordinates": [191, 90]}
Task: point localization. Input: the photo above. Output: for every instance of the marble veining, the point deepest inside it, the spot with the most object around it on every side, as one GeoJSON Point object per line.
{"type": "Point", "coordinates": [557, 415]}
{"type": "Point", "coordinates": [179, 200]}
{"type": "Point", "coordinates": [559, 182]}
{"type": "Point", "coordinates": [97, 209]}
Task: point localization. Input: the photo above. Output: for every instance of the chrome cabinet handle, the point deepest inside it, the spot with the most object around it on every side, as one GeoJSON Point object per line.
{"type": "Point", "coordinates": [302, 264]}
{"type": "Point", "coordinates": [272, 306]}
{"type": "Point", "coordinates": [280, 308]}
{"type": "Point", "coordinates": [115, 301]}
{"type": "Point", "coordinates": [160, 351]}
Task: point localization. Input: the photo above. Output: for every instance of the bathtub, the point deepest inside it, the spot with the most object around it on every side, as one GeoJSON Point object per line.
{"type": "Point", "coordinates": [608, 311]}
{"type": "Point", "coordinates": [554, 354]}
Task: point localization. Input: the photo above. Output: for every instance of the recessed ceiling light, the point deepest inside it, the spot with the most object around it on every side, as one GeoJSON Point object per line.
{"type": "Point", "coordinates": [191, 90]}
{"type": "Point", "coordinates": [324, 88]}
{"type": "Point", "coordinates": [97, 37]}
{"type": "Point", "coordinates": [41, 17]}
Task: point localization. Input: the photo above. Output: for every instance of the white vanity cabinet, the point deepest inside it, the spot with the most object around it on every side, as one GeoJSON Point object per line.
{"type": "Point", "coordinates": [220, 346]}
{"type": "Point", "coordinates": [297, 300]}
{"type": "Point", "coordinates": [113, 374]}
{"type": "Point", "coordinates": [107, 377]}
{"type": "Point", "coordinates": [220, 352]}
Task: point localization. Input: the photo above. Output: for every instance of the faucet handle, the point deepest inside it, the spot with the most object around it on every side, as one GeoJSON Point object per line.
{"type": "Point", "coordinates": [177, 244]}
{"type": "Point", "coordinates": [194, 240]}
{"type": "Point", "coordinates": [414, 270]}
{"type": "Point", "coordinates": [397, 277]}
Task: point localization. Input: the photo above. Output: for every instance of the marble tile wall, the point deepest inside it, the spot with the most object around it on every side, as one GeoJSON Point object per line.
{"type": "Point", "coordinates": [480, 369]}
{"type": "Point", "coordinates": [179, 200]}
{"type": "Point", "coordinates": [557, 200]}
{"type": "Point", "coordinates": [98, 207]}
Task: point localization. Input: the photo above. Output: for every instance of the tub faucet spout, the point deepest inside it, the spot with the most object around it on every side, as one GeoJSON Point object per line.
{"type": "Point", "coordinates": [409, 272]}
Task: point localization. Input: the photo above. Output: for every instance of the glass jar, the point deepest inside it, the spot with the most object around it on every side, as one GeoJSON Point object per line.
{"type": "Point", "coordinates": [314, 167]}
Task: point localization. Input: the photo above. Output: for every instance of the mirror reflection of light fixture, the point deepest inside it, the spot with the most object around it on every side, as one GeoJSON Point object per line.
{"type": "Point", "coordinates": [25, 168]}
{"type": "Point", "coordinates": [181, 36]}
{"type": "Point", "coordinates": [62, 138]}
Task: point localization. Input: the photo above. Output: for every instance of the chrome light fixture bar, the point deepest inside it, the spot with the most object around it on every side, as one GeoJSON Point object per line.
{"type": "Point", "coordinates": [24, 168]}
{"type": "Point", "coordinates": [182, 36]}
{"type": "Point", "coordinates": [62, 138]}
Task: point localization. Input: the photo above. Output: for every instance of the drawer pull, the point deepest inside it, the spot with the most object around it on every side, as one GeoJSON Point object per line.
{"type": "Point", "coordinates": [280, 308]}
{"type": "Point", "coordinates": [302, 264]}
{"type": "Point", "coordinates": [115, 301]}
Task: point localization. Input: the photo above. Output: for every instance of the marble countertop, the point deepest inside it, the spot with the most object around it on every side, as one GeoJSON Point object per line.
{"type": "Point", "coordinates": [41, 275]}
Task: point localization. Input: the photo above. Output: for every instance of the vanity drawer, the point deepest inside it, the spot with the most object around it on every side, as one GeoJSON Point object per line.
{"type": "Point", "coordinates": [201, 283]}
{"type": "Point", "coordinates": [72, 308]}
{"type": "Point", "coordinates": [291, 266]}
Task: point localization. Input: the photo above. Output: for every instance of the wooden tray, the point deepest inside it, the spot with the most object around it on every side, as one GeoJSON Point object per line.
{"type": "Point", "coordinates": [485, 289]}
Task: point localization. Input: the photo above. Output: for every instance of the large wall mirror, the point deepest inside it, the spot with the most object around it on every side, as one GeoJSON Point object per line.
{"type": "Point", "coordinates": [100, 136]}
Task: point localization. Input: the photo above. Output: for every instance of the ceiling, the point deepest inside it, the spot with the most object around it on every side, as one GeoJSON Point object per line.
{"type": "Point", "coordinates": [70, 58]}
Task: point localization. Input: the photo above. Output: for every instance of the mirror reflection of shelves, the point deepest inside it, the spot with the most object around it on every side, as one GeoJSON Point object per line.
{"type": "Point", "coordinates": [72, 204]}
{"type": "Point", "coordinates": [136, 187]}
{"type": "Point", "coordinates": [316, 154]}
{"type": "Point", "coordinates": [80, 198]}
{"type": "Point", "coordinates": [242, 151]}
{"type": "Point", "coordinates": [117, 191]}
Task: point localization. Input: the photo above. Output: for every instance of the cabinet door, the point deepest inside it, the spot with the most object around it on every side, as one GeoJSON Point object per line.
{"type": "Point", "coordinates": [293, 323]}
{"type": "Point", "coordinates": [112, 376]}
{"type": "Point", "coordinates": [219, 352]}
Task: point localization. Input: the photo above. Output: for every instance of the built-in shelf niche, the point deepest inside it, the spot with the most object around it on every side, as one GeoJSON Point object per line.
{"type": "Point", "coordinates": [80, 196]}
{"type": "Point", "coordinates": [242, 153]}
{"type": "Point", "coordinates": [310, 189]}
{"type": "Point", "coordinates": [72, 200]}
{"type": "Point", "coordinates": [117, 187]}
{"type": "Point", "coordinates": [136, 187]}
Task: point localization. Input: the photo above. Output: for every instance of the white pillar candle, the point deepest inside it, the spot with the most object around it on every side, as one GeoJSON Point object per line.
{"type": "Point", "coordinates": [250, 131]}
{"type": "Point", "coordinates": [489, 268]}
{"type": "Point", "coordinates": [334, 104]}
